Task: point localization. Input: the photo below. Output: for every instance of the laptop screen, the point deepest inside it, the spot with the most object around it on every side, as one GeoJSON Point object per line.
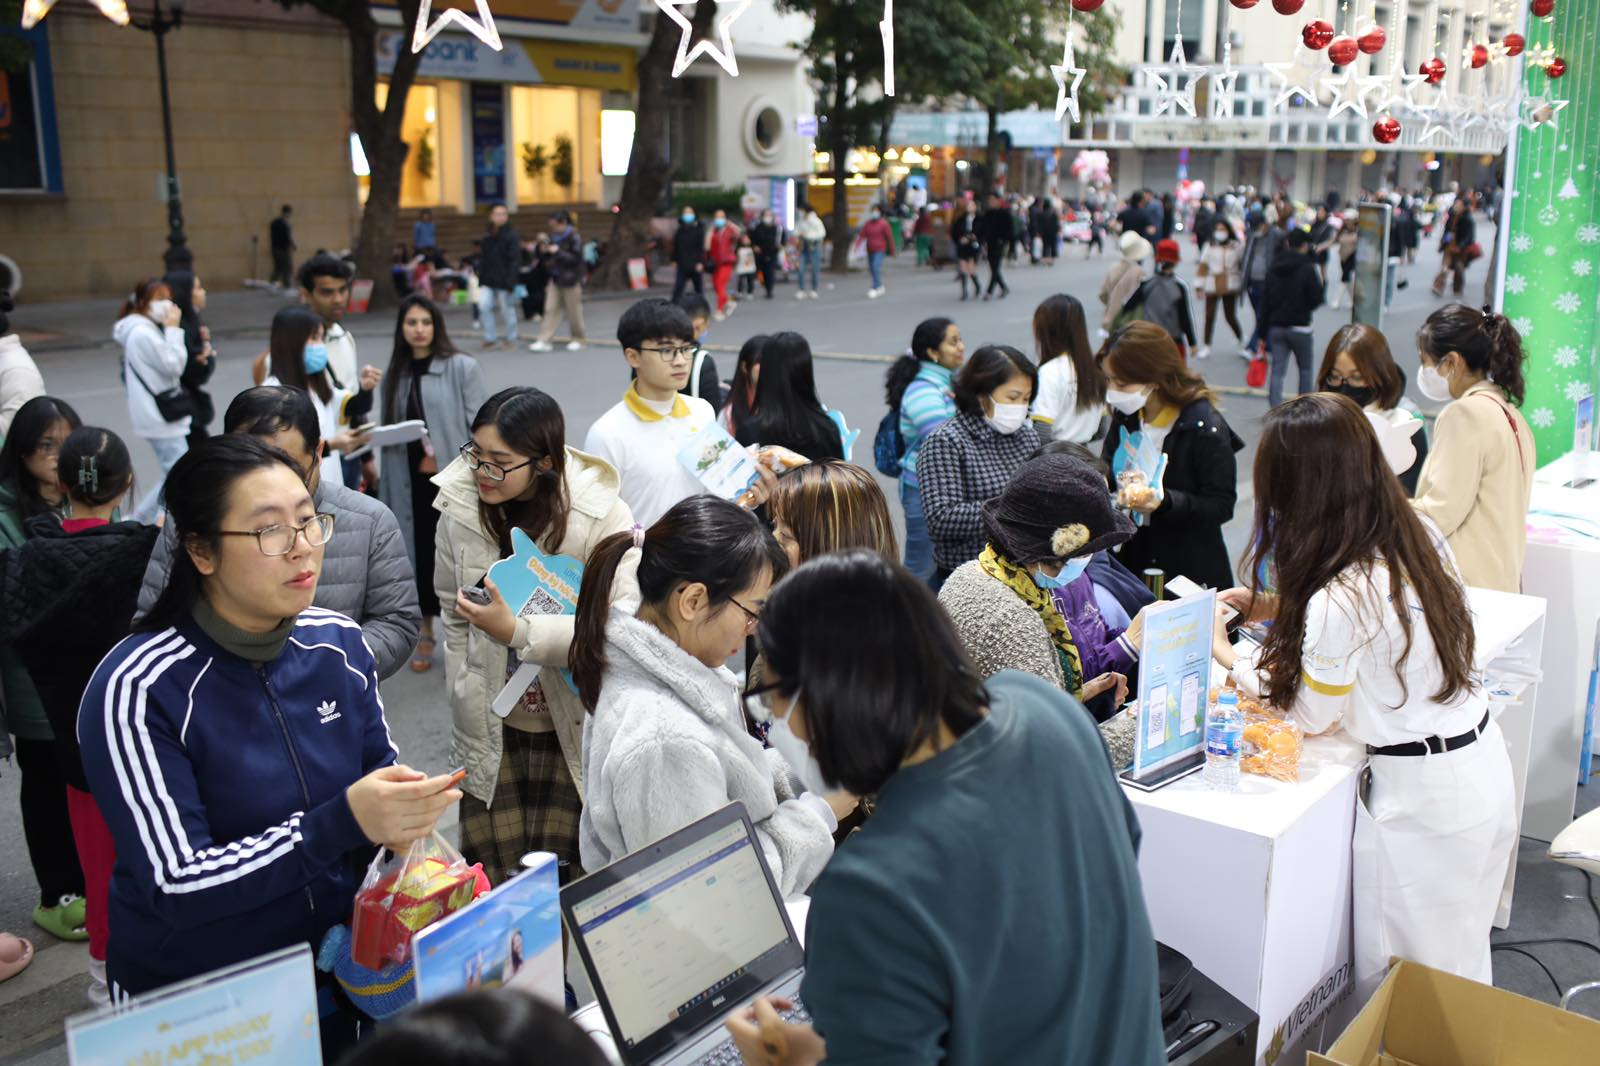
{"type": "Point", "coordinates": [672, 937]}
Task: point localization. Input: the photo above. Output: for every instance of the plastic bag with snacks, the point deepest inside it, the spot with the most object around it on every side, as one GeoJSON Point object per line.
{"type": "Point", "coordinates": [1139, 465]}
{"type": "Point", "coordinates": [404, 894]}
{"type": "Point", "coordinates": [1272, 745]}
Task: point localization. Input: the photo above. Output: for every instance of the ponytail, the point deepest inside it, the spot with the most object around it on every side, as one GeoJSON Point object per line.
{"type": "Point", "coordinates": [702, 539]}
{"type": "Point", "coordinates": [1486, 341]}
{"type": "Point", "coordinates": [927, 337]}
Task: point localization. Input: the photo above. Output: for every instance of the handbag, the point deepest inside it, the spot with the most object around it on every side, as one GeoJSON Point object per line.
{"type": "Point", "coordinates": [1255, 375]}
{"type": "Point", "coordinates": [174, 404]}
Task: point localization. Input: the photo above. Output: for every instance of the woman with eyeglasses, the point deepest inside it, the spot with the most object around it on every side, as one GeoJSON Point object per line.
{"type": "Point", "coordinates": [665, 742]}
{"type": "Point", "coordinates": [427, 380]}
{"type": "Point", "coordinates": [236, 744]}
{"type": "Point", "coordinates": [516, 473]}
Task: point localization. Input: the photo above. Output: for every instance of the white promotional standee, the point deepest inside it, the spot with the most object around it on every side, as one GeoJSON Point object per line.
{"type": "Point", "coordinates": [1174, 683]}
{"type": "Point", "coordinates": [263, 1011]}
{"type": "Point", "coordinates": [510, 937]}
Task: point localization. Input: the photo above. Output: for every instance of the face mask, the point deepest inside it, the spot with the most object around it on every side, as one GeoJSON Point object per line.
{"type": "Point", "coordinates": [1221, 236]}
{"type": "Point", "coordinates": [316, 358]}
{"type": "Point", "coordinates": [1127, 402]}
{"type": "Point", "coordinates": [159, 309]}
{"type": "Point", "coordinates": [1361, 394]}
{"type": "Point", "coordinates": [1007, 418]}
{"type": "Point", "coordinates": [686, 218]}
{"type": "Point", "coordinates": [719, 223]}
{"type": "Point", "coordinates": [1432, 384]}
{"type": "Point", "coordinates": [1070, 572]}
{"type": "Point", "coordinates": [797, 753]}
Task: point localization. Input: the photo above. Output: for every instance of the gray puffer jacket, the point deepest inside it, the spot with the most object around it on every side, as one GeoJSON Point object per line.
{"type": "Point", "coordinates": [365, 574]}
{"type": "Point", "coordinates": [1003, 633]}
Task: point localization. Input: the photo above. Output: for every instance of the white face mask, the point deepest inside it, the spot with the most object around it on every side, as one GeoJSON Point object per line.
{"type": "Point", "coordinates": [1432, 384]}
{"type": "Point", "coordinates": [1007, 418]}
{"type": "Point", "coordinates": [797, 753]}
{"type": "Point", "coordinates": [159, 310]}
{"type": "Point", "coordinates": [1128, 402]}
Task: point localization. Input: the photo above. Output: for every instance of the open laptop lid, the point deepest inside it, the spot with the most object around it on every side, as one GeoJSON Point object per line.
{"type": "Point", "coordinates": [680, 931]}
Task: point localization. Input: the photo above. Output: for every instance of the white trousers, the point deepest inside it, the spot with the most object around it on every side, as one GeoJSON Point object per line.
{"type": "Point", "coordinates": [1433, 837]}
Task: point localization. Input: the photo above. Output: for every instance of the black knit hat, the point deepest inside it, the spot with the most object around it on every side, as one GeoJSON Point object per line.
{"type": "Point", "coordinates": [1054, 507]}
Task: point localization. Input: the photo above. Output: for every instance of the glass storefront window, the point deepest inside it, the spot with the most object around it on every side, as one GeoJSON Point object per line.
{"type": "Point", "coordinates": [554, 154]}
{"type": "Point", "coordinates": [421, 182]}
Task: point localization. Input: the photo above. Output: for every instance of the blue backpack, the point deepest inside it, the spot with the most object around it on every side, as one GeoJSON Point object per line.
{"type": "Point", "coordinates": [888, 445]}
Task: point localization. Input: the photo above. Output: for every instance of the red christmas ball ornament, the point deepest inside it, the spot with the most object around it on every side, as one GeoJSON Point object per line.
{"type": "Point", "coordinates": [1288, 7]}
{"type": "Point", "coordinates": [1317, 34]}
{"type": "Point", "coordinates": [1433, 70]}
{"type": "Point", "coordinates": [1343, 51]}
{"type": "Point", "coordinates": [1386, 130]}
{"type": "Point", "coordinates": [1372, 41]}
{"type": "Point", "coordinates": [1244, 5]}
{"type": "Point", "coordinates": [1556, 67]}
{"type": "Point", "coordinates": [1514, 43]}
{"type": "Point", "coordinates": [1087, 5]}
{"type": "Point", "coordinates": [1480, 57]}
{"type": "Point", "coordinates": [1542, 8]}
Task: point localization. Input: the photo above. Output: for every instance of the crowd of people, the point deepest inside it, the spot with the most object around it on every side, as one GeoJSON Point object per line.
{"type": "Point", "coordinates": [247, 607]}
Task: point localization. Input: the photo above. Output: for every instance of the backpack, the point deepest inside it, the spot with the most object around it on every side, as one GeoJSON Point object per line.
{"type": "Point", "coordinates": [888, 445]}
{"type": "Point", "coordinates": [1133, 310]}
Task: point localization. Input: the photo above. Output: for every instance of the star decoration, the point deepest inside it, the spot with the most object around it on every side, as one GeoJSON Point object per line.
{"type": "Point", "coordinates": [1166, 79]}
{"type": "Point", "coordinates": [1224, 85]}
{"type": "Point", "coordinates": [886, 28]}
{"type": "Point", "coordinates": [483, 27]}
{"type": "Point", "coordinates": [1536, 111]}
{"type": "Point", "coordinates": [1439, 120]}
{"type": "Point", "coordinates": [723, 56]}
{"type": "Point", "coordinates": [1298, 77]}
{"type": "Point", "coordinates": [1067, 95]}
{"type": "Point", "coordinates": [1400, 91]}
{"type": "Point", "coordinates": [1350, 91]}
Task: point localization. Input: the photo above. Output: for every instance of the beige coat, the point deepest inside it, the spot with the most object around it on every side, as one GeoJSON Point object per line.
{"type": "Point", "coordinates": [1121, 282]}
{"type": "Point", "coordinates": [1221, 269]}
{"type": "Point", "coordinates": [1476, 484]}
{"type": "Point", "coordinates": [476, 661]}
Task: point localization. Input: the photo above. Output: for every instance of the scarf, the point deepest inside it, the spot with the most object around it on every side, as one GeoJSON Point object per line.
{"type": "Point", "coordinates": [1021, 582]}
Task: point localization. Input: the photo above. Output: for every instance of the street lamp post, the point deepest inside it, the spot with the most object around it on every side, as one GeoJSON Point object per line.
{"type": "Point", "coordinates": [177, 255]}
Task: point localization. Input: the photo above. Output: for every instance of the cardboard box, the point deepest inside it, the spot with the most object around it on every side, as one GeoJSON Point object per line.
{"type": "Point", "coordinates": [1423, 1017]}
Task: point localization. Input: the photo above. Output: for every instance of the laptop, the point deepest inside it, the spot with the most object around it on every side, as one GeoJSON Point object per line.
{"type": "Point", "coordinates": [678, 934]}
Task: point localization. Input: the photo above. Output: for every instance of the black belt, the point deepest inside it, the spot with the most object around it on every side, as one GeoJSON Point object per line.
{"type": "Point", "coordinates": [1433, 745]}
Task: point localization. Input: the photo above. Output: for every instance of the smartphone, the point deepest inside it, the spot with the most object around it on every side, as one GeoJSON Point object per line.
{"type": "Point", "coordinates": [1182, 587]}
{"type": "Point", "coordinates": [477, 595]}
{"type": "Point", "coordinates": [456, 775]}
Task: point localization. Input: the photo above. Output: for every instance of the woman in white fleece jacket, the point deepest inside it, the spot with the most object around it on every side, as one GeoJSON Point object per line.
{"type": "Point", "coordinates": [666, 741]}
{"type": "Point", "coordinates": [153, 358]}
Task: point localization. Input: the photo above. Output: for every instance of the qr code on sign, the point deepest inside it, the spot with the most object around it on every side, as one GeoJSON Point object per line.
{"type": "Point", "coordinates": [541, 602]}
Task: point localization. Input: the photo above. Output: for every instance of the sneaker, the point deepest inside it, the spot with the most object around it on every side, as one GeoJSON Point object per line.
{"type": "Point", "coordinates": [718, 316]}
{"type": "Point", "coordinates": [1247, 353]}
{"type": "Point", "coordinates": [872, 294]}
{"type": "Point", "coordinates": [801, 295]}
{"type": "Point", "coordinates": [815, 295]}
{"type": "Point", "coordinates": [60, 921]}
{"type": "Point", "coordinates": [541, 346]}
{"type": "Point", "coordinates": [733, 305]}
{"type": "Point", "coordinates": [574, 346]}
{"type": "Point", "coordinates": [1202, 351]}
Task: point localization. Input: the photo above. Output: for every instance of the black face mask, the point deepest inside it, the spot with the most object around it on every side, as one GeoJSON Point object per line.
{"type": "Point", "coordinates": [1361, 394]}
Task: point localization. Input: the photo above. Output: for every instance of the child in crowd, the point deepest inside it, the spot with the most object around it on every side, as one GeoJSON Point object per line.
{"type": "Point", "coordinates": [703, 380]}
{"type": "Point", "coordinates": [745, 267]}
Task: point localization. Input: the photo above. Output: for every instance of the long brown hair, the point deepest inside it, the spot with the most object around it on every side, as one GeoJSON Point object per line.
{"type": "Point", "coordinates": [1146, 354]}
{"type": "Point", "coordinates": [834, 506]}
{"type": "Point", "coordinates": [532, 425]}
{"type": "Point", "coordinates": [1060, 331]}
{"type": "Point", "coordinates": [1369, 350]}
{"type": "Point", "coordinates": [1350, 513]}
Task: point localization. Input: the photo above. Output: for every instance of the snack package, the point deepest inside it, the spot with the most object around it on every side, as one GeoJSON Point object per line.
{"type": "Point", "coordinates": [1139, 466]}
{"type": "Point", "coordinates": [1272, 745]}
{"type": "Point", "coordinates": [403, 894]}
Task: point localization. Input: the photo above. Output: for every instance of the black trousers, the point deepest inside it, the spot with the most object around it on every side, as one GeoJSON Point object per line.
{"type": "Point", "coordinates": [45, 825]}
{"type": "Point", "coordinates": [424, 532]}
{"type": "Point", "coordinates": [282, 267]}
{"type": "Point", "coordinates": [997, 255]}
{"type": "Point", "coordinates": [687, 276]}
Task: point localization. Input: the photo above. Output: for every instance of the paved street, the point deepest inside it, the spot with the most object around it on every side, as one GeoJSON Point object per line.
{"type": "Point", "coordinates": [853, 337]}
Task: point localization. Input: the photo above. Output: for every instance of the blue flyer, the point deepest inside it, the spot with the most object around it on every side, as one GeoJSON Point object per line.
{"type": "Point", "coordinates": [263, 1011]}
{"type": "Point", "coordinates": [510, 936]}
{"type": "Point", "coordinates": [1174, 679]}
{"type": "Point", "coordinates": [531, 582]}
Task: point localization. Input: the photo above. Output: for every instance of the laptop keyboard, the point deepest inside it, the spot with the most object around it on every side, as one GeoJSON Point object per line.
{"type": "Point", "coordinates": [727, 1052]}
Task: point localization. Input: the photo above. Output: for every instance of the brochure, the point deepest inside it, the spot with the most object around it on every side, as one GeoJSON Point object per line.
{"type": "Point", "coordinates": [392, 434]}
{"type": "Point", "coordinates": [721, 463]}
{"type": "Point", "coordinates": [511, 936]}
{"type": "Point", "coordinates": [263, 1011]}
{"type": "Point", "coordinates": [1174, 680]}
{"type": "Point", "coordinates": [531, 581]}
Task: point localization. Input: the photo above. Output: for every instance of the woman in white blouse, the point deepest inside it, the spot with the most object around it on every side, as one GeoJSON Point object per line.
{"type": "Point", "coordinates": [1436, 818]}
{"type": "Point", "coordinates": [1071, 401]}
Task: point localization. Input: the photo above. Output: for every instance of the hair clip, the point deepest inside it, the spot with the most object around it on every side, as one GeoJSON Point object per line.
{"type": "Point", "coordinates": [88, 474]}
{"type": "Point", "coordinates": [638, 535]}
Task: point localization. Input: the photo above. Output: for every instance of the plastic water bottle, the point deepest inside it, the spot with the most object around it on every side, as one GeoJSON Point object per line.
{"type": "Point", "coordinates": [1224, 743]}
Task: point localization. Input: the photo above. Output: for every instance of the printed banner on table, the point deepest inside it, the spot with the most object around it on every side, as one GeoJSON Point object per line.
{"type": "Point", "coordinates": [510, 937]}
{"type": "Point", "coordinates": [263, 1011]}
{"type": "Point", "coordinates": [1174, 679]}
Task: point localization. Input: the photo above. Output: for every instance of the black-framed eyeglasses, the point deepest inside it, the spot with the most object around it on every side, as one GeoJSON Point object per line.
{"type": "Point", "coordinates": [758, 705]}
{"type": "Point", "coordinates": [492, 471]}
{"type": "Point", "coordinates": [671, 355]}
{"type": "Point", "coordinates": [751, 618]}
{"type": "Point", "coordinates": [277, 539]}
{"type": "Point", "coordinates": [1336, 379]}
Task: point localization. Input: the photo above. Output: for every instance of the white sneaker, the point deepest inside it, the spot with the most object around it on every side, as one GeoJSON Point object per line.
{"type": "Point", "coordinates": [574, 346]}
{"type": "Point", "coordinates": [718, 316]}
{"type": "Point", "coordinates": [801, 295]}
{"type": "Point", "coordinates": [1202, 351]}
{"type": "Point", "coordinates": [872, 294]}
{"type": "Point", "coordinates": [733, 305]}
{"type": "Point", "coordinates": [1247, 353]}
{"type": "Point", "coordinates": [541, 346]}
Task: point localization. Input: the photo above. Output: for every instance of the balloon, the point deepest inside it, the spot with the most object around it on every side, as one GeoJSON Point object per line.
{"type": "Point", "coordinates": [1244, 5]}
{"type": "Point", "coordinates": [1480, 56]}
{"type": "Point", "coordinates": [1288, 7]}
{"type": "Point", "coordinates": [1542, 8]}
{"type": "Point", "coordinates": [1372, 41]}
{"type": "Point", "coordinates": [1556, 67]}
{"type": "Point", "coordinates": [1514, 43]}
{"type": "Point", "coordinates": [1386, 130]}
{"type": "Point", "coordinates": [1433, 70]}
{"type": "Point", "coordinates": [1343, 51]}
{"type": "Point", "coordinates": [1316, 34]}
{"type": "Point", "coordinates": [1087, 5]}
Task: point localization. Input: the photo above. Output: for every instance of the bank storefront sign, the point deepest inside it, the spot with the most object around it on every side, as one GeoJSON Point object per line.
{"type": "Point", "coordinates": [524, 60]}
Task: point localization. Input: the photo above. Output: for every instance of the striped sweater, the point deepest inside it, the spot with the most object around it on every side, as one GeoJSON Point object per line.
{"type": "Point", "coordinates": [928, 403]}
{"type": "Point", "coordinates": [224, 789]}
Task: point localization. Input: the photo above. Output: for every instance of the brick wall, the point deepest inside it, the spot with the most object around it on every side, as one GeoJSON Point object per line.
{"type": "Point", "coordinates": [260, 118]}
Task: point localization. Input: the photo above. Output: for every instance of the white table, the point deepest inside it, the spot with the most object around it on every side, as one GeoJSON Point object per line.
{"type": "Point", "coordinates": [1564, 569]}
{"type": "Point", "coordinates": [592, 1019]}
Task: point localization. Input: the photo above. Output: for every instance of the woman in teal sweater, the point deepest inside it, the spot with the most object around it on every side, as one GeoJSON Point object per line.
{"type": "Point", "coordinates": [29, 488]}
{"type": "Point", "coordinates": [918, 385]}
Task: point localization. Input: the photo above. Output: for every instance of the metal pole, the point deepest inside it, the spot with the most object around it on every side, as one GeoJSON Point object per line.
{"type": "Point", "coordinates": [178, 256]}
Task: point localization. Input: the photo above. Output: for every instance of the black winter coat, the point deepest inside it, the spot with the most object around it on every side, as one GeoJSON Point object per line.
{"type": "Point", "coordinates": [689, 244]}
{"type": "Point", "coordinates": [1294, 290]}
{"type": "Point", "coordinates": [1185, 533]}
{"type": "Point", "coordinates": [66, 599]}
{"type": "Point", "coordinates": [500, 259]}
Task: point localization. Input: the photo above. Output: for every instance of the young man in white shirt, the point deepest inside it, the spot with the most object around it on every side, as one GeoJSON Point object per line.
{"type": "Point", "coordinates": [642, 435]}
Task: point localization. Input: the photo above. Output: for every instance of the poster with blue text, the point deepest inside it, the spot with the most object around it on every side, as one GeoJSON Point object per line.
{"type": "Point", "coordinates": [1174, 679]}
